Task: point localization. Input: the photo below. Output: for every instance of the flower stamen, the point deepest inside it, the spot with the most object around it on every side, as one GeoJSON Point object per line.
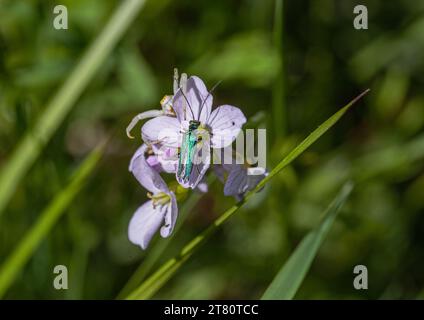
{"type": "Point", "coordinates": [160, 198]}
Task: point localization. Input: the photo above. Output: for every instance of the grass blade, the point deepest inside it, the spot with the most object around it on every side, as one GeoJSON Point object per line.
{"type": "Point", "coordinates": [289, 278]}
{"type": "Point", "coordinates": [32, 143]}
{"type": "Point", "coordinates": [306, 143]}
{"type": "Point", "coordinates": [22, 253]}
{"type": "Point", "coordinates": [156, 280]}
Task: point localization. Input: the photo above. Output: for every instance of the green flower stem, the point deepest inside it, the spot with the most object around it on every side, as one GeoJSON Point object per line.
{"type": "Point", "coordinates": [288, 280]}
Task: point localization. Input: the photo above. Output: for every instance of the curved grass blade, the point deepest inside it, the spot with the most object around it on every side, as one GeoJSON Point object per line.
{"type": "Point", "coordinates": [152, 284]}
{"type": "Point", "coordinates": [290, 277]}
{"type": "Point", "coordinates": [22, 253]}
{"type": "Point", "coordinates": [59, 106]}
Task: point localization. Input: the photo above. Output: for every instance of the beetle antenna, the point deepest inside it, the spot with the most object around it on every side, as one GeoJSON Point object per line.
{"type": "Point", "coordinates": [209, 93]}
{"type": "Point", "coordinates": [188, 103]}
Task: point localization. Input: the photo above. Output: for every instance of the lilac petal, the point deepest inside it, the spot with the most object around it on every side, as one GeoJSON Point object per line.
{"type": "Point", "coordinates": [167, 158]}
{"type": "Point", "coordinates": [200, 96]}
{"type": "Point", "coordinates": [254, 176]}
{"type": "Point", "coordinates": [169, 166]}
{"type": "Point", "coordinates": [148, 177]}
{"type": "Point", "coordinates": [153, 161]}
{"type": "Point", "coordinates": [236, 182]}
{"type": "Point", "coordinates": [225, 122]}
{"type": "Point", "coordinates": [145, 223]}
{"type": "Point", "coordinates": [180, 107]}
{"type": "Point", "coordinates": [197, 101]}
{"type": "Point", "coordinates": [171, 215]}
{"type": "Point", "coordinates": [164, 130]}
{"type": "Point", "coordinates": [203, 187]}
{"type": "Point", "coordinates": [240, 180]}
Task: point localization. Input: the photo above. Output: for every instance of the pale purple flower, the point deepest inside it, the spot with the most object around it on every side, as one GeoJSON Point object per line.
{"type": "Point", "coordinates": [239, 178]}
{"type": "Point", "coordinates": [218, 128]}
{"type": "Point", "coordinates": [242, 179]}
{"type": "Point", "coordinates": [164, 159]}
{"type": "Point", "coordinates": [159, 212]}
{"type": "Point", "coordinates": [202, 187]}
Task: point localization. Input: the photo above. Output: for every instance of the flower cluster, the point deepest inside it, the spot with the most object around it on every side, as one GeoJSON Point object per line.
{"type": "Point", "coordinates": [182, 138]}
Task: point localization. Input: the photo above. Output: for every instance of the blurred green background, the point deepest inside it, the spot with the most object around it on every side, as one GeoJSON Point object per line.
{"type": "Point", "coordinates": [325, 62]}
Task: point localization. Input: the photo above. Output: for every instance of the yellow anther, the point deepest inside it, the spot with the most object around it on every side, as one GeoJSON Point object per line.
{"type": "Point", "coordinates": [164, 100]}
{"type": "Point", "coordinates": [160, 198]}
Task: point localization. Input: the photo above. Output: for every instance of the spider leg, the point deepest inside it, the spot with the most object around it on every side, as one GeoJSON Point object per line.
{"type": "Point", "coordinates": [132, 124]}
{"type": "Point", "coordinates": [142, 116]}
